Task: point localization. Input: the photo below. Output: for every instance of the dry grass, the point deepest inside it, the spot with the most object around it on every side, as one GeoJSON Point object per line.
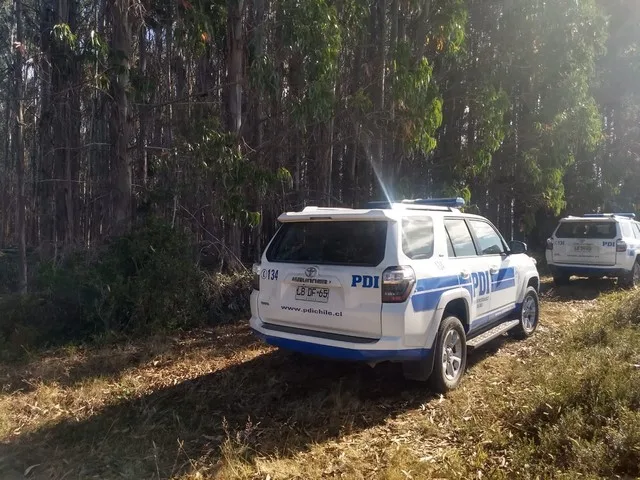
{"type": "Point", "coordinates": [217, 404]}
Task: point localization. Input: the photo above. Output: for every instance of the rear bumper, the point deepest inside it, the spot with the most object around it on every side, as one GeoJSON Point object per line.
{"type": "Point", "coordinates": [383, 349]}
{"type": "Point", "coordinates": [584, 271]}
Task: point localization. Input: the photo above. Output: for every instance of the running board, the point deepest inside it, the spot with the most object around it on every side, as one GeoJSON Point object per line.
{"type": "Point", "coordinates": [489, 335]}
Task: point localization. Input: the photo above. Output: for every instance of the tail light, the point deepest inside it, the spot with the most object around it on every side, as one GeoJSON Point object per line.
{"type": "Point", "coordinates": [256, 269]}
{"type": "Point", "coordinates": [621, 246]}
{"type": "Point", "coordinates": [397, 284]}
{"type": "Point", "coordinates": [549, 244]}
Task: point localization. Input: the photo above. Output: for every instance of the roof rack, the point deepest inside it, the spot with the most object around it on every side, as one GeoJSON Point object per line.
{"type": "Point", "coordinates": [313, 208]}
{"type": "Point", "coordinates": [602, 215]}
{"type": "Point", "coordinates": [446, 204]}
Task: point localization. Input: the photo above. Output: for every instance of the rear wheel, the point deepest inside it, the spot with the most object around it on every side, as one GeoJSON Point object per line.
{"type": "Point", "coordinates": [529, 315]}
{"type": "Point", "coordinates": [632, 279]}
{"type": "Point", "coordinates": [450, 356]}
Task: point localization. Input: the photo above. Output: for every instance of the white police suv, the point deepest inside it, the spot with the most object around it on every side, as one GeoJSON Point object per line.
{"type": "Point", "coordinates": [596, 245]}
{"type": "Point", "coordinates": [416, 282]}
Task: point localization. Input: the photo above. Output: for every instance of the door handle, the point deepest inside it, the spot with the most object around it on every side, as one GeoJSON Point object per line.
{"type": "Point", "coordinates": [465, 274]}
{"type": "Point", "coordinates": [493, 270]}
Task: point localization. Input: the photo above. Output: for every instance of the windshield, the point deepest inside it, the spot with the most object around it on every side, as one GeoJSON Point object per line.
{"type": "Point", "coordinates": [587, 230]}
{"type": "Point", "coordinates": [360, 243]}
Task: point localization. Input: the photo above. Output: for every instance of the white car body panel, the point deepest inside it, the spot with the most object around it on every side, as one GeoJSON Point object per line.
{"type": "Point", "coordinates": [591, 256]}
{"type": "Point", "coordinates": [354, 323]}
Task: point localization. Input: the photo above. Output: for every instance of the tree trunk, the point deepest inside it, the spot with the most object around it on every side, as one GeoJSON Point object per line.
{"type": "Point", "coordinates": [235, 64]}
{"type": "Point", "coordinates": [121, 172]}
{"type": "Point", "coordinates": [4, 177]}
{"type": "Point", "coordinates": [45, 188]}
{"type": "Point", "coordinates": [379, 98]}
{"type": "Point", "coordinates": [422, 27]}
{"type": "Point", "coordinates": [19, 149]}
{"type": "Point", "coordinates": [143, 112]}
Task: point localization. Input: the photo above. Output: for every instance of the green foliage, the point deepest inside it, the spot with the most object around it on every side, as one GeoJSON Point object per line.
{"type": "Point", "coordinates": [144, 281]}
{"type": "Point", "coordinates": [449, 26]}
{"type": "Point", "coordinates": [587, 422]}
{"type": "Point", "coordinates": [227, 296]}
{"type": "Point", "coordinates": [419, 107]}
{"type": "Point", "coordinates": [62, 34]}
{"type": "Point", "coordinates": [215, 155]}
{"type": "Point", "coordinates": [201, 25]}
{"type": "Point", "coordinates": [303, 23]}
{"type": "Point", "coordinates": [8, 272]}
{"type": "Point", "coordinates": [490, 105]}
{"type": "Point", "coordinates": [148, 279]}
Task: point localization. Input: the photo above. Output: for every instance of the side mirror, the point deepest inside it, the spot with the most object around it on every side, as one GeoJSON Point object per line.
{"type": "Point", "coordinates": [517, 247]}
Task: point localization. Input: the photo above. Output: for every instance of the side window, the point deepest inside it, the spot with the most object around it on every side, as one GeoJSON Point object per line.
{"type": "Point", "coordinates": [417, 237]}
{"type": "Point", "coordinates": [637, 230]}
{"type": "Point", "coordinates": [489, 241]}
{"type": "Point", "coordinates": [460, 237]}
{"type": "Point", "coordinates": [626, 229]}
{"type": "Point", "coordinates": [450, 251]}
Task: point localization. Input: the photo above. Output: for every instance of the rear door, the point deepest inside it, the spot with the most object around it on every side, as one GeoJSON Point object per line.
{"type": "Point", "coordinates": [586, 242]}
{"type": "Point", "coordinates": [325, 276]}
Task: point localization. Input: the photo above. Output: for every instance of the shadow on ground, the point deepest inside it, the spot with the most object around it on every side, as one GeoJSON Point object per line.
{"type": "Point", "coordinates": [70, 366]}
{"type": "Point", "coordinates": [273, 404]}
{"type": "Point", "coordinates": [577, 289]}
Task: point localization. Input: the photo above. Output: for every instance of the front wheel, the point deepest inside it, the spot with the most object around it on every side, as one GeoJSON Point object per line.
{"type": "Point", "coordinates": [632, 279]}
{"type": "Point", "coordinates": [529, 315]}
{"type": "Point", "coordinates": [450, 356]}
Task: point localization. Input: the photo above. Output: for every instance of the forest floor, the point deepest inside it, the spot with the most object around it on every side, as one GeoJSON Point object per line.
{"type": "Point", "coordinates": [219, 404]}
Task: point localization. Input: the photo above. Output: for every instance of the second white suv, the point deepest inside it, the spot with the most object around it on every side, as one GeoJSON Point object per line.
{"type": "Point", "coordinates": [416, 282]}
{"type": "Point", "coordinates": [596, 245]}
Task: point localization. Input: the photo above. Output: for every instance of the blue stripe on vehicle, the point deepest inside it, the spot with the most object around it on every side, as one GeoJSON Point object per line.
{"type": "Point", "coordinates": [497, 286]}
{"type": "Point", "coordinates": [577, 270]}
{"type": "Point", "coordinates": [424, 301]}
{"type": "Point", "coordinates": [341, 353]}
{"type": "Point", "coordinates": [434, 283]}
{"type": "Point", "coordinates": [504, 274]}
{"type": "Point", "coordinates": [430, 290]}
{"type": "Point", "coordinates": [427, 301]}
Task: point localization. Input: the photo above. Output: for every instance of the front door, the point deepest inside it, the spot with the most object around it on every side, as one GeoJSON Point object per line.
{"type": "Point", "coordinates": [493, 251]}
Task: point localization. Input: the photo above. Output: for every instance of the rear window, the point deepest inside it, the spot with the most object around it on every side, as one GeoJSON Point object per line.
{"type": "Point", "coordinates": [586, 230]}
{"type": "Point", "coordinates": [360, 243]}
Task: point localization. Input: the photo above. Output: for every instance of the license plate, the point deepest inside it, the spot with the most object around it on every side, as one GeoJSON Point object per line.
{"type": "Point", "coordinates": [312, 294]}
{"type": "Point", "coordinates": [583, 248]}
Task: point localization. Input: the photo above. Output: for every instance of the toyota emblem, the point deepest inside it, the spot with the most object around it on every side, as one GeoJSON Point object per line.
{"type": "Point", "coordinates": [311, 272]}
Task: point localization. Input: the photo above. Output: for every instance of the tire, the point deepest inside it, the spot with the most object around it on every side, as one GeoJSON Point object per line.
{"type": "Point", "coordinates": [632, 279]}
{"type": "Point", "coordinates": [529, 315]}
{"type": "Point", "coordinates": [561, 280]}
{"type": "Point", "coordinates": [450, 358]}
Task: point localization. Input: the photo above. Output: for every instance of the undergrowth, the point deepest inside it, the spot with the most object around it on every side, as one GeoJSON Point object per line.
{"type": "Point", "coordinates": [583, 415]}
{"type": "Point", "coordinates": [143, 282]}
